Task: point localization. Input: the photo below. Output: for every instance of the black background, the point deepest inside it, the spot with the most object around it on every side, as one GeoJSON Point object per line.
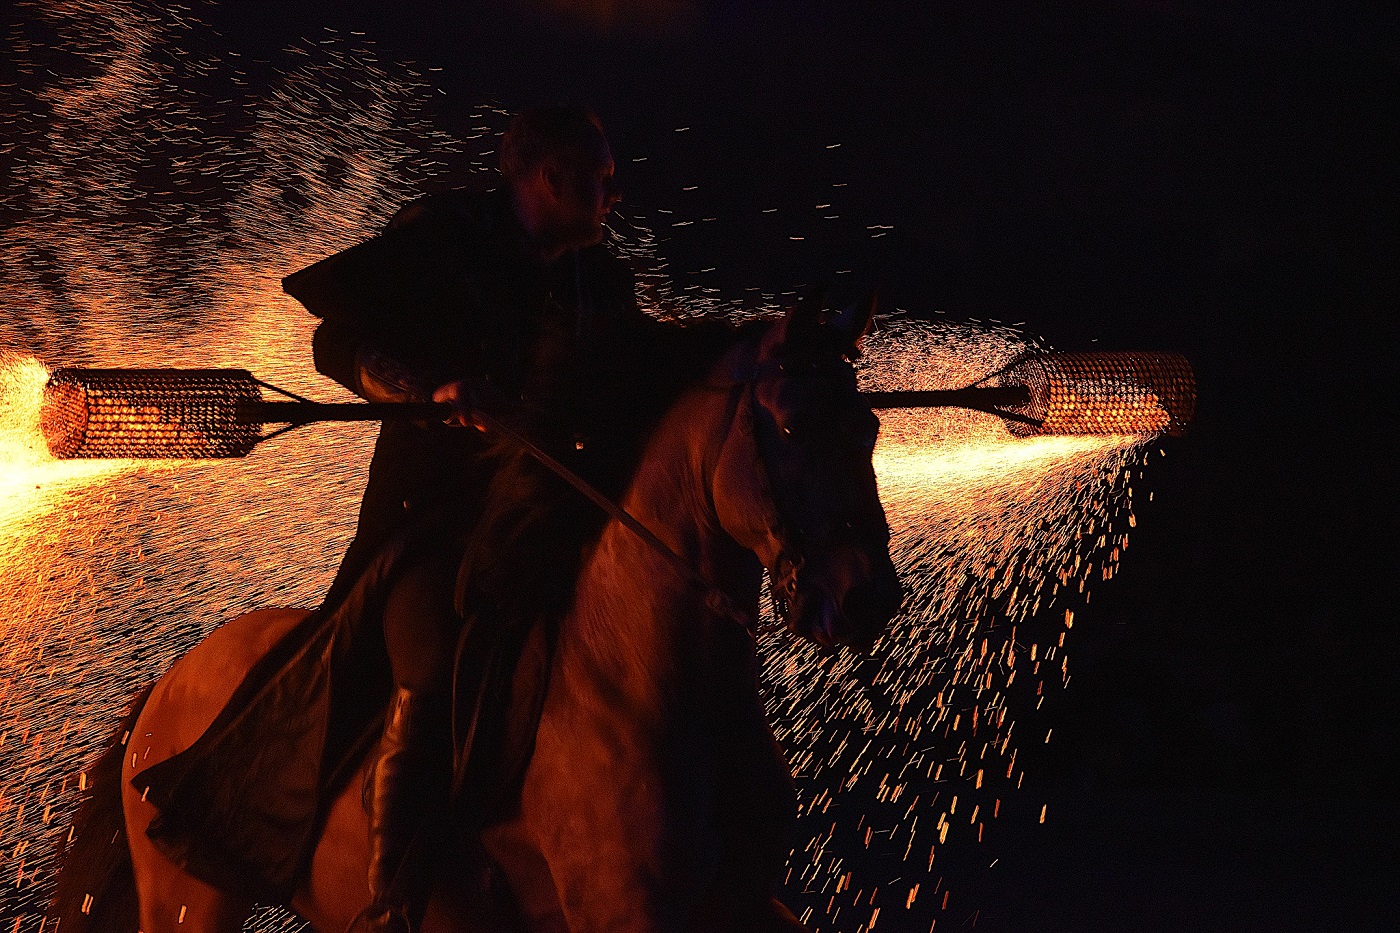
{"type": "Point", "coordinates": [1209, 177]}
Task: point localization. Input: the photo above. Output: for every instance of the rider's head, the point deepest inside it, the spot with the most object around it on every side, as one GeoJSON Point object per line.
{"type": "Point", "coordinates": [560, 171]}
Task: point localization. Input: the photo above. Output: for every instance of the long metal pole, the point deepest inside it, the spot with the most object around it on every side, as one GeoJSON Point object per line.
{"type": "Point", "coordinates": [981, 399]}
{"type": "Point", "coordinates": [977, 398]}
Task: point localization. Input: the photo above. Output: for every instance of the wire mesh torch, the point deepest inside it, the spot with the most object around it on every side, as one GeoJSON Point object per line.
{"type": "Point", "coordinates": [183, 413]}
{"type": "Point", "coordinates": [1114, 392]}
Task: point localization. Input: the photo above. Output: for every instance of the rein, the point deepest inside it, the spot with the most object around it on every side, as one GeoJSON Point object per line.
{"type": "Point", "coordinates": [716, 600]}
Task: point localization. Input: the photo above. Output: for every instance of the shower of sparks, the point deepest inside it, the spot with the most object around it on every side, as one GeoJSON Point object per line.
{"type": "Point", "coordinates": [159, 191]}
{"type": "Point", "coordinates": [162, 187]}
{"type": "Point", "coordinates": [997, 541]}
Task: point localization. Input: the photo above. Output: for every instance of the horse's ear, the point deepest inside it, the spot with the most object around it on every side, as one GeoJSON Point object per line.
{"type": "Point", "coordinates": [806, 315]}
{"type": "Point", "coordinates": [853, 322]}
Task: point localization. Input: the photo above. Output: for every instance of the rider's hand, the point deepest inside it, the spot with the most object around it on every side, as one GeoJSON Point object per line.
{"type": "Point", "coordinates": [459, 396]}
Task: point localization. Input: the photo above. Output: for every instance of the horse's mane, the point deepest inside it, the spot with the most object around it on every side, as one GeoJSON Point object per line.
{"type": "Point", "coordinates": [636, 380]}
{"type": "Point", "coordinates": [644, 377]}
{"type": "Point", "coordinates": [679, 358]}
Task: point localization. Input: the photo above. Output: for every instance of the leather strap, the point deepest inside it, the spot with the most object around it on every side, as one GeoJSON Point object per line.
{"type": "Point", "coordinates": [716, 599]}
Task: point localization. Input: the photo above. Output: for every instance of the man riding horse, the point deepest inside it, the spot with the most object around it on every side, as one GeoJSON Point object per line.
{"type": "Point", "coordinates": [501, 300]}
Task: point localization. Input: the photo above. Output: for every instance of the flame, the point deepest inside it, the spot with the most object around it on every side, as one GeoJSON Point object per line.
{"type": "Point", "coordinates": [31, 481]}
{"type": "Point", "coordinates": [993, 536]}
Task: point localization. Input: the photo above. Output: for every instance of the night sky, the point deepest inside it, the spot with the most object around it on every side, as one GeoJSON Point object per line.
{"type": "Point", "coordinates": [1209, 177]}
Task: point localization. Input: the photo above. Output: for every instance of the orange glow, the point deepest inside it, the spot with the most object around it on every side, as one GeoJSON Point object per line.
{"type": "Point", "coordinates": [32, 483]}
{"type": "Point", "coordinates": [993, 536]}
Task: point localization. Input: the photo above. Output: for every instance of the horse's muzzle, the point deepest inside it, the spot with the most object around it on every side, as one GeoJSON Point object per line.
{"type": "Point", "coordinates": [869, 607]}
{"type": "Point", "coordinates": [849, 603]}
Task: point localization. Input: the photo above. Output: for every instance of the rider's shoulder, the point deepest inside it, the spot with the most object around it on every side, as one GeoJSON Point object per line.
{"type": "Point", "coordinates": [472, 212]}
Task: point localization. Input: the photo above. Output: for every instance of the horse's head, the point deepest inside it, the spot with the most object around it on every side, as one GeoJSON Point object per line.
{"type": "Point", "coordinates": [794, 481]}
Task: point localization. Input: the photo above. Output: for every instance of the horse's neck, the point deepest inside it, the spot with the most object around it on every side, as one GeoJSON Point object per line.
{"type": "Point", "coordinates": [631, 599]}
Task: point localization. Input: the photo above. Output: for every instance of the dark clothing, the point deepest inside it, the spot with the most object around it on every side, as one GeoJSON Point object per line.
{"type": "Point", "coordinates": [421, 623]}
{"type": "Point", "coordinates": [558, 351]}
{"type": "Point", "coordinates": [450, 292]}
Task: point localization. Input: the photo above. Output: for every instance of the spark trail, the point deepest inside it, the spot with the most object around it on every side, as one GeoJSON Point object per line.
{"type": "Point", "coordinates": [997, 541]}
{"type": "Point", "coordinates": [163, 185]}
{"type": "Point", "coordinates": [160, 189]}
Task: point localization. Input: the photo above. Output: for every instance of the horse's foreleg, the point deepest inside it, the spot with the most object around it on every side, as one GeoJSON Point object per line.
{"type": "Point", "coordinates": [677, 828]}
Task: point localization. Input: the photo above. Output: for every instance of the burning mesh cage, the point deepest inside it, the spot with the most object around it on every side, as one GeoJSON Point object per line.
{"type": "Point", "coordinates": [150, 413]}
{"type": "Point", "coordinates": [1111, 392]}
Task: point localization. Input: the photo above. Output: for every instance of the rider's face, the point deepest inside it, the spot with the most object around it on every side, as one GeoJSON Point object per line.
{"type": "Point", "coordinates": [584, 191]}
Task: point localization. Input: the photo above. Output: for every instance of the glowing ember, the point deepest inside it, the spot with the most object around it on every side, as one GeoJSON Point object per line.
{"type": "Point", "coordinates": [113, 569]}
{"type": "Point", "coordinates": [1105, 393]}
{"type": "Point", "coordinates": [31, 481]}
{"type": "Point", "coordinates": [149, 413]}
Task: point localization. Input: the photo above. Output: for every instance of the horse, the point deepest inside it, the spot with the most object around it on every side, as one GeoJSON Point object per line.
{"type": "Point", "coordinates": [656, 798]}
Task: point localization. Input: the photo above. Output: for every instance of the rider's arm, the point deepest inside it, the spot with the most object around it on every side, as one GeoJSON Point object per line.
{"type": "Point", "coordinates": [372, 373]}
{"type": "Point", "coordinates": [370, 298]}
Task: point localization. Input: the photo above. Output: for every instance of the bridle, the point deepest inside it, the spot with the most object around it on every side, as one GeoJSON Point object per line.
{"type": "Point", "coordinates": [793, 539]}
{"type": "Point", "coordinates": [716, 600]}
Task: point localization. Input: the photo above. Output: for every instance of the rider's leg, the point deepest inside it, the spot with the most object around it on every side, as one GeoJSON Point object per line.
{"type": "Point", "coordinates": [407, 793]}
